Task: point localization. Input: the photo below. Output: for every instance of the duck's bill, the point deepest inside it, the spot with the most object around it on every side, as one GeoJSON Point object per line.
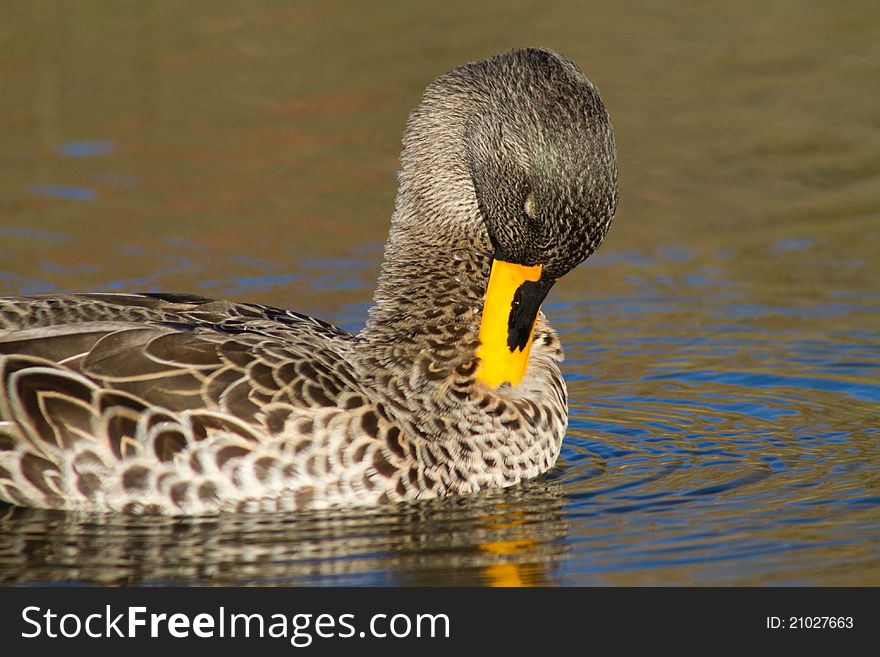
{"type": "Point", "coordinates": [513, 297]}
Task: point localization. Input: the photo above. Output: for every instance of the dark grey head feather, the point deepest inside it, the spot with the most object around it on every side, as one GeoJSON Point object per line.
{"type": "Point", "coordinates": [541, 154]}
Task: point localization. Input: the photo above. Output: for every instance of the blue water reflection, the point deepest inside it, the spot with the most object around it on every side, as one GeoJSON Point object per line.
{"type": "Point", "coordinates": [70, 192]}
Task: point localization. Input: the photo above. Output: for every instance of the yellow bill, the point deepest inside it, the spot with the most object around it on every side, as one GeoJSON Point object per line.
{"type": "Point", "coordinates": [513, 297]}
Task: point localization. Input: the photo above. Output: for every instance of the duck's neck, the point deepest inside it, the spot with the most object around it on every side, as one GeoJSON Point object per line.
{"type": "Point", "coordinates": [418, 349]}
{"type": "Point", "coordinates": [438, 255]}
{"type": "Point", "coordinates": [430, 291]}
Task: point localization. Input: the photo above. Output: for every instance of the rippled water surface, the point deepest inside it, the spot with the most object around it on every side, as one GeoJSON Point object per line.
{"type": "Point", "coordinates": [723, 346]}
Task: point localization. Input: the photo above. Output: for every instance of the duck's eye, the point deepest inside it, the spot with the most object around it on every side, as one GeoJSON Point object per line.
{"type": "Point", "coordinates": [530, 207]}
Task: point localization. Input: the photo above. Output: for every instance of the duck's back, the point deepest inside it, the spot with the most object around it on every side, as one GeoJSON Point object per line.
{"type": "Point", "coordinates": [102, 395]}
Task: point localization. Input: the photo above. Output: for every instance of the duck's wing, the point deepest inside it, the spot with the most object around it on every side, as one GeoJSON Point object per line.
{"type": "Point", "coordinates": [115, 377]}
{"type": "Point", "coordinates": [184, 353]}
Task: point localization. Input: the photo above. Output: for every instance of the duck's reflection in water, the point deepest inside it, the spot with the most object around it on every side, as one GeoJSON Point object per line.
{"type": "Point", "coordinates": [502, 538]}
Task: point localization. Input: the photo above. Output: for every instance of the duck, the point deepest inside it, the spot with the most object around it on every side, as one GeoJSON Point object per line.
{"type": "Point", "coordinates": [175, 404]}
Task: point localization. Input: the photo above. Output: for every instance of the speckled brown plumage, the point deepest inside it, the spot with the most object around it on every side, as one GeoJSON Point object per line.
{"type": "Point", "coordinates": [179, 404]}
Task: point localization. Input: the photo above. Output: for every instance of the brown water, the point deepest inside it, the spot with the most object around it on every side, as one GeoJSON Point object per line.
{"type": "Point", "coordinates": [723, 346]}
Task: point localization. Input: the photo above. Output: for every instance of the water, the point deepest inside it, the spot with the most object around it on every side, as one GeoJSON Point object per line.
{"type": "Point", "coordinates": [723, 346]}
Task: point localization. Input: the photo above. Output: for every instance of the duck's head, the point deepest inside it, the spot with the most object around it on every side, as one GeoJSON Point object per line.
{"type": "Point", "coordinates": [540, 158]}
